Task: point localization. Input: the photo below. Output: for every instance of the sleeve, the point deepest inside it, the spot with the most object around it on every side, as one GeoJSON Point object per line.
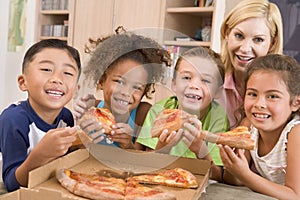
{"type": "Point", "coordinates": [14, 143]}
{"type": "Point", "coordinates": [144, 137]}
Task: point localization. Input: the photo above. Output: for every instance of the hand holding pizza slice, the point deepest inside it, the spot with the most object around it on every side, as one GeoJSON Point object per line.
{"type": "Point", "coordinates": [102, 115]}
{"type": "Point", "coordinates": [171, 119]}
{"type": "Point", "coordinates": [237, 138]}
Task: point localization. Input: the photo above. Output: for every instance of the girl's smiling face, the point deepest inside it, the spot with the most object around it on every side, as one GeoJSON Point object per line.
{"type": "Point", "coordinates": [124, 86]}
{"type": "Point", "coordinates": [267, 101]}
{"type": "Point", "coordinates": [248, 40]}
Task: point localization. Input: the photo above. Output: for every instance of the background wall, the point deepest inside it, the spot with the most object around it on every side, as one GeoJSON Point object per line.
{"type": "Point", "coordinates": [10, 62]}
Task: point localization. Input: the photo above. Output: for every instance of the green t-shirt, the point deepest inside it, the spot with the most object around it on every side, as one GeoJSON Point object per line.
{"type": "Point", "coordinates": [214, 121]}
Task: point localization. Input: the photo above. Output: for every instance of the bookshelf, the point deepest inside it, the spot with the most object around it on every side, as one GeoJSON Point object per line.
{"type": "Point", "coordinates": [55, 19]}
{"type": "Point", "coordinates": [185, 19]}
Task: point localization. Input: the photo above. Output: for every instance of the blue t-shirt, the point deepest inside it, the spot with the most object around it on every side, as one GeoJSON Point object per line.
{"type": "Point", "coordinates": [20, 130]}
{"type": "Point", "coordinates": [131, 122]}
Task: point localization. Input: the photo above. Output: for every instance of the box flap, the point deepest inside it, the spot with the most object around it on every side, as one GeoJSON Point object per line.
{"type": "Point", "coordinates": [41, 174]}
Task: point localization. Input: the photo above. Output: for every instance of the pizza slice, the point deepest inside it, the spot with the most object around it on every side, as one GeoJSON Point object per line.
{"type": "Point", "coordinates": [176, 177]}
{"type": "Point", "coordinates": [239, 137]}
{"type": "Point", "coordinates": [92, 186]}
{"type": "Point", "coordinates": [136, 191]}
{"type": "Point", "coordinates": [102, 115]}
{"type": "Point", "coordinates": [171, 119]}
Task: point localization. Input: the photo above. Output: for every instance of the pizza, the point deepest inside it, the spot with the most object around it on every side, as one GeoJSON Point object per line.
{"type": "Point", "coordinates": [176, 177]}
{"type": "Point", "coordinates": [102, 115]}
{"type": "Point", "coordinates": [136, 191]}
{"type": "Point", "coordinates": [171, 119]}
{"type": "Point", "coordinates": [94, 186]}
{"type": "Point", "coordinates": [238, 137]}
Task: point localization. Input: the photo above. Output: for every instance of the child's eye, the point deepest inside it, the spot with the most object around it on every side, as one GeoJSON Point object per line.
{"type": "Point", "coordinates": [69, 73]}
{"type": "Point", "coordinates": [186, 77]}
{"type": "Point", "coordinates": [273, 96]}
{"type": "Point", "coordinates": [46, 69]}
{"type": "Point", "coordinates": [120, 82]}
{"type": "Point", "coordinates": [206, 81]}
{"type": "Point", "coordinates": [251, 94]}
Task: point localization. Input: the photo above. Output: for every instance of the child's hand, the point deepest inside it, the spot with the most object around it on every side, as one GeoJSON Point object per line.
{"type": "Point", "coordinates": [168, 139]}
{"type": "Point", "coordinates": [93, 128]}
{"type": "Point", "coordinates": [191, 137]}
{"type": "Point", "coordinates": [122, 133]}
{"type": "Point", "coordinates": [81, 104]}
{"type": "Point", "coordinates": [234, 160]}
{"type": "Point", "coordinates": [56, 143]}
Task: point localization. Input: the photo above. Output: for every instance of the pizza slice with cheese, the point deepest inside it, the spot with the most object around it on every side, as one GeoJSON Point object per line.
{"type": "Point", "coordinates": [171, 119]}
{"type": "Point", "coordinates": [102, 115]}
{"type": "Point", "coordinates": [239, 137]}
{"type": "Point", "coordinates": [176, 177]}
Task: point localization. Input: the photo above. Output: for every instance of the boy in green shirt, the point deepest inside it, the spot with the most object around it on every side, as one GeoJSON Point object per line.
{"type": "Point", "coordinates": [199, 76]}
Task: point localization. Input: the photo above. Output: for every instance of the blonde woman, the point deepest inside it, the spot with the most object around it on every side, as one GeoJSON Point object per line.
{"type": "Point", "coordinates": [252, 29]}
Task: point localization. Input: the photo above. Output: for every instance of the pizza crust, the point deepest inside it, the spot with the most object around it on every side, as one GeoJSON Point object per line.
{"type": "Point", "coordinates": [81, 189]}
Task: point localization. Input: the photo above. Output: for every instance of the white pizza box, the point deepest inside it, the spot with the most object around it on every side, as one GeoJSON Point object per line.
{"type": "Point", "coordinates": [99, 157]}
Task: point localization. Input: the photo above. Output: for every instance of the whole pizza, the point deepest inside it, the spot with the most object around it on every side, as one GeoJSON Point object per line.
{"type": "Point", "coordinates": [95, 186]}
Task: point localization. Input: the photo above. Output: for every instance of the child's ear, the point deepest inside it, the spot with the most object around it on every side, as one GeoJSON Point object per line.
{"type": "Point", "coordinates": [99, 86]}
{"type": "Point", "coordinates": [296, 104]}
{"type": "Point", "coordinates": [22, 83]}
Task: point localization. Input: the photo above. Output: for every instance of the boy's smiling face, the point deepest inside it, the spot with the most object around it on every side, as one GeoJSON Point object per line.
{"type": "Point", "coordinates": [50, 80]}
{"type": "Point", "coordinates": [196, 83]}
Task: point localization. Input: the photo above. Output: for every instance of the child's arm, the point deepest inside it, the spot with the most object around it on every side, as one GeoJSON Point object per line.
{"type": "Point", "coordinates": [54, 144]}
{"type": "Point", "coordinates": [237, 165]}
{"type": "Point", "coordinates": [141, 113]}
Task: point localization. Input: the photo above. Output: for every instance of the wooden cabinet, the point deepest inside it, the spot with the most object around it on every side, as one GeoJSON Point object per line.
{"type": "Point", "coordinates": [184, 20]}
{"type": "Point", "coordinates": [99, 18]}
{"type": "Point", "coordinates": [55, 19]}
{"type": "Point", "coordinates": [92, 19]}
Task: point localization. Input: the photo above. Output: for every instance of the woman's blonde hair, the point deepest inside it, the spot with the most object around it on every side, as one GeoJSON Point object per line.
{"type": "Point", "coordinates": [253, 9]}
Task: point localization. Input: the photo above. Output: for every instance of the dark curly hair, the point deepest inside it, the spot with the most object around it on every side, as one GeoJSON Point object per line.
{"type": "Point", "coordinates": [109, 51]}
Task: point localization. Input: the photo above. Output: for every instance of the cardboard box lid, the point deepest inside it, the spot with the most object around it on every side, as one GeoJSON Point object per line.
{"type": "Point", "coordinates": [104, 157]}
{"type": "Point", "coordinates": [32, 194]}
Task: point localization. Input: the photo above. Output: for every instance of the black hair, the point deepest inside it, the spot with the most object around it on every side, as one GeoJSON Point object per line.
{"type": "Point", "coordinates": [51, 43]}
{"type": "Point", "coordinates": [111, 50]}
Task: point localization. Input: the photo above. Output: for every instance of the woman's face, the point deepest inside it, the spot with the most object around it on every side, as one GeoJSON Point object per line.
{"type": "Point", "coordinates": [247, 40]}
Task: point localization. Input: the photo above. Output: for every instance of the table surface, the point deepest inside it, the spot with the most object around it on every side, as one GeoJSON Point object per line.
{"type": "Point", "coordinates": [218, 191]}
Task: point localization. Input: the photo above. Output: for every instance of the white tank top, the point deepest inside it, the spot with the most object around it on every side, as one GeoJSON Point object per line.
{"type": "Point", "coordinates": [272, 165]}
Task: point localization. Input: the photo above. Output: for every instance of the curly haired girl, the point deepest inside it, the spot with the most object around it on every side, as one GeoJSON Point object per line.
{"type": "Point", "coordinates": [125, 67]}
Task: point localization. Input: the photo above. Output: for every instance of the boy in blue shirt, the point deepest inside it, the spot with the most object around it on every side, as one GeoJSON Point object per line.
{"type": "Point", "coordinates": [37, 131]}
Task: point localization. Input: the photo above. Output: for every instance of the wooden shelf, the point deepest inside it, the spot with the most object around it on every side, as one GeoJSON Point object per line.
{"type": "Point", "coordinates": [187, 43]}
{"type": "Point", "coordinates": [53, 37]}
{"type": "Point", "coordinates": [54, 12]}
{"type": "Point", "coordinates": [199, 10]}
